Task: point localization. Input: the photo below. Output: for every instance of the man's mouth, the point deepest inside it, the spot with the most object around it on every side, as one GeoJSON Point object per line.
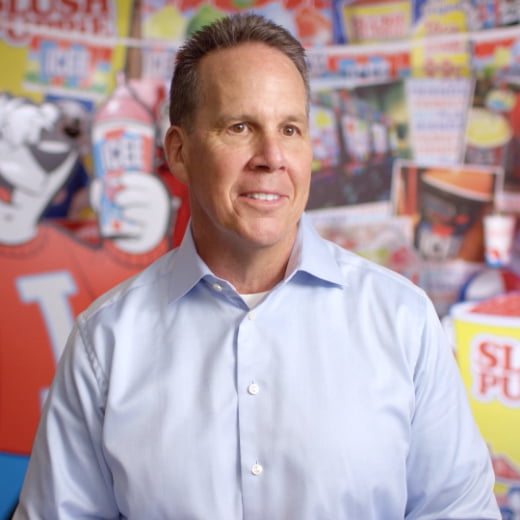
{"type": "Point", "coordinates": [263, 196]}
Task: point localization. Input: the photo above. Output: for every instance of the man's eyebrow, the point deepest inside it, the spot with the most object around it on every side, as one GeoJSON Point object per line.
{"type": "Point", "coordinates": [225, 119]}
{"type": "Point", "coordinates": [238, 117]}
{"type": "Point", "coordinates": [301, 118]}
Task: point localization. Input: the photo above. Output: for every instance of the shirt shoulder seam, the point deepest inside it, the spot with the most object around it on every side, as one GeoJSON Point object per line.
{"type": "Point", "coordinates": [94, 362]}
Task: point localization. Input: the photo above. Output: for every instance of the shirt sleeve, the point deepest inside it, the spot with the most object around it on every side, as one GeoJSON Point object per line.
{"type": "Point", "coordinates": [449, 468]}
{"type": "Point", "coordinates": [67, 477]}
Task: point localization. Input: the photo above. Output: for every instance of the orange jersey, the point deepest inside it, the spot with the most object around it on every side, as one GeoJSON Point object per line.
{"type": "Point", "coordinates": [45, 284]}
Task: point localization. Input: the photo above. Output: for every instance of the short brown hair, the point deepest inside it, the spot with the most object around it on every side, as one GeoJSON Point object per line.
{"type": "Point", "coordinates": [226, 32]}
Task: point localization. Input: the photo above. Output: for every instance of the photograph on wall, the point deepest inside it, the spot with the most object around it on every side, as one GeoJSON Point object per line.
{"type": "Point", "coordinates": [356, 135]}
{"type": "Point", "coordinates": [446, 204]}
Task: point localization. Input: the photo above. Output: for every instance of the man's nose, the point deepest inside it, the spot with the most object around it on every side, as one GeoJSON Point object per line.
{"type": "Point", "coordinates": [268, 153]}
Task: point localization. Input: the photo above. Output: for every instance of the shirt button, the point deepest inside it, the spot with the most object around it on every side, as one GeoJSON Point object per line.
{"type": "Point", "coordinates": [217, 287]}
{"type": "Point", "coordinates": [253, 389]}
{"type": "Point", "coordinates": [256, 469]}
{"type": "Point", "coordinates": [252, 315]}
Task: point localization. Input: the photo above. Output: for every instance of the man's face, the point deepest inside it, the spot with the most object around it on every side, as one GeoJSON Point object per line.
{"type": "Point", "coordinates": [247, 159]}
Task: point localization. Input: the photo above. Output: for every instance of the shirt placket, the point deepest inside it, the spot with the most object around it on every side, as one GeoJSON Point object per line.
{"type": "Point", "coordinates": [254, 469]}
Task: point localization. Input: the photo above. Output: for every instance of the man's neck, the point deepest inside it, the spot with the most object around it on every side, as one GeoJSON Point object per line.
{"type": "Point", "coordinates": [248, 269]}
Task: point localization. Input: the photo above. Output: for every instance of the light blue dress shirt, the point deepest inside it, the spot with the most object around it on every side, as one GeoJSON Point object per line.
{"type": "Point", "coordinates": [337, 397]}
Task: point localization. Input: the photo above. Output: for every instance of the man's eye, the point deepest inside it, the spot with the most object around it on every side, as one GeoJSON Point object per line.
{"type": "Point", "coordinates": [238, 128]}
{"type": "Point", "coordinates": [290, 130]}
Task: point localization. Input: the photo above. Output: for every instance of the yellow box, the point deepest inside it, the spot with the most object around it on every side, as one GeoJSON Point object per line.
{"type": "Point", "coordinates": [488, 353]}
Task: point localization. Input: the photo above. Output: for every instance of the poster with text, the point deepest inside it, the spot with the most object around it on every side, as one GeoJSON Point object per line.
{"type": "Point", "coordinates": [62, 48]}
{"type": "Point", "coordinates": [440, 33]}
{"type": "Point", "coordinates": [438, 109]}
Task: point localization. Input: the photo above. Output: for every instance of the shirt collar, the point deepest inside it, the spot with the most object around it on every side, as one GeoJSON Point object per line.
{"type": "Point", "coordinates": [186, 267]}
{"type": "Point", "coordinates": [311, 254]}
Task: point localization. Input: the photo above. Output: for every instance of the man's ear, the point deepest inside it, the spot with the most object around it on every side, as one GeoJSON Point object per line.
{"type": "Point", "coordinates": [174, 150]}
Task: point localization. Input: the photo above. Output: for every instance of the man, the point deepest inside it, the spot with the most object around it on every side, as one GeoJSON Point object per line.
{"type": "Point", "coordinates": [257, 371]}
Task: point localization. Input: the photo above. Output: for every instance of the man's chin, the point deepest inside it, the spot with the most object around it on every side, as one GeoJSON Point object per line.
{"type": "Point", "coordinates": [264, 236]}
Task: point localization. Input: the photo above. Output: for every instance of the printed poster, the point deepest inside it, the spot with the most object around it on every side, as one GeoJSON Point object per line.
{"type": "Point", "coordinates": [362, 65]}
{"type": "Point", "coordinates": [62, 48]}
{"type": "Point", "coordinates": [488, 14]}
{"type": "Point", "coordinates": [356, 135]}
{"type": "Point", "coordinates": [433, 54]}
{"type": "Point", "coordinates": [437, 110]}
{"type": "Point", "coordinates": [492, 135]}
{"type": "Point", "coordinates": [497, 53]}
{"type": "Point", "coordinates": [359, 21]}
{"type": "Point", "coordinates": [446, 204]}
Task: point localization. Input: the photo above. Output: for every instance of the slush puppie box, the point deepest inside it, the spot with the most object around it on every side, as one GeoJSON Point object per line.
{"type": "Point", "coordinates": [487, 340]}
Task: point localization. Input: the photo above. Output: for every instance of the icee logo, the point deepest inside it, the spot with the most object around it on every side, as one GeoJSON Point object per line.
{"type": "Point", "coordinates": [495, 366]}
{"type": "Point", "coordinates": [126, 153]}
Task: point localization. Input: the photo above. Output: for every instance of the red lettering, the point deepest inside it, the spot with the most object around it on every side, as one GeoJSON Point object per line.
{"type": "Point", "coordinates": [496, 369]}
{"type": "Point", "coordinates": [45, 8]}
{"type": "Point", "coordinates": [17, 7]}
{"type": "Point", "coordinates": [70, 7]}
{"type": "Point", "coordinates": [42, 7]}
{"type": "Point", "coordinates": [486, 354]}
{"type": "Point", "coordinates": [101, 26]}
{"type": "Point", "coordinates": [485, 382]}
{"type": "Point", "coordinates": [511, 387]}
{"type": "Point", "coordinates": [97, 17]}
{"type": "Point", "coordinates": [97, 7]}
{"type": "Point", "coordinates": [511, 362]}
{"type": "Point", "coordinates": [16, 36]}
{"type": "Point", "coordinates": [68, 25]}
{"type": "Point", "coordinates": [386, 26]}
